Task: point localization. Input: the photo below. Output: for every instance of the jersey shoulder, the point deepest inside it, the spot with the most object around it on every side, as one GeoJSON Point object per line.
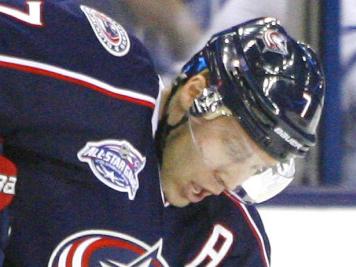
{"type": "Point", "coordinates": [77, 38]}
{"type": "Point", "coordinates": [251, 245]}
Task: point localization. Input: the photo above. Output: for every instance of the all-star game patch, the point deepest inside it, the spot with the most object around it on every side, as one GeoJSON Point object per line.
{"type": "Point", "coordinates": [116, 163]}
{"type": "Point", "coordinates": [110, 33]}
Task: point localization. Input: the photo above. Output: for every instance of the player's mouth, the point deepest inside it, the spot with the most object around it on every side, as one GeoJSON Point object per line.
{"type": "Point", "coordinates": [195, 193]}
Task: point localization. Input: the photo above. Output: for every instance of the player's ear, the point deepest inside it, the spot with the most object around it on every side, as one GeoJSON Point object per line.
{"type": "Point", "coordinates": [185, 96]}
{"type": "Point", "coordinates": [191, 89]}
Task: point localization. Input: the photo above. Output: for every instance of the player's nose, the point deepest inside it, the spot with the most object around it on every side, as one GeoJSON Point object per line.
{"type": "Point", "coordinates": [218, 190]}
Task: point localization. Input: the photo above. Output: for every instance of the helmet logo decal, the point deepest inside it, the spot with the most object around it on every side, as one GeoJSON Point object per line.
{"type": "Point", "coordinates": [106, 249]}
{"type": "Point", "coordinates": [115, 163]}
{"type": "Point", "coordinates": [286, 137]}
{"type": "Point", "coordinates": [275, 42]}
{"type": "Point", "coordinates": [111, 34]}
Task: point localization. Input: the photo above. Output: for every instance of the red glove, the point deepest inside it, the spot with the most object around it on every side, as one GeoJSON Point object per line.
{"type": "Point", "coordinates": [8, 173]}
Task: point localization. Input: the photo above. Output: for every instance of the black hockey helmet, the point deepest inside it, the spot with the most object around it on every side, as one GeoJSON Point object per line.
{"type": "Point", "coordinates": [273, 84]}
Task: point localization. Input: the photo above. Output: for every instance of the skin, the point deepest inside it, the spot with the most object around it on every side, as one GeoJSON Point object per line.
{"type": "Point", "coordinates": [220, 156]}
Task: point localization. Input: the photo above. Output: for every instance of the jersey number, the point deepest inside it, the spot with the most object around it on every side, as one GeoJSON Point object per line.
{"type": "Point", "coordinates": [33, 15]}
{"type": "Point", "coordinates": [7, 184]}
{"type": "Point", "coordinates": [212, 253]}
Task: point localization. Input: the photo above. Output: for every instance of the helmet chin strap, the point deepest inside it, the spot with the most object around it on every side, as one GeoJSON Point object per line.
{"type": "Point", "coordinates": [164, 128]}
{"type": "Point", "coordinates": [163, 131]}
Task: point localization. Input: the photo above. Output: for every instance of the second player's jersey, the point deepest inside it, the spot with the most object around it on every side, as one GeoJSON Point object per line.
{"type": "Point", "coordinates": [77, 94]}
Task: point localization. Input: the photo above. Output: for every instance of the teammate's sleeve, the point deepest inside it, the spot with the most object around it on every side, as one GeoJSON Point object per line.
{"type": "Point", "coordinates": [9, 98]}
{"type": "Point", "coordinates": [8, 178]}
{"type": "Point", "coordinates": [8, 170]}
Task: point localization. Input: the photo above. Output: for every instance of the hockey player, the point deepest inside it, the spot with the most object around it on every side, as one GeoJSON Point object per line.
{"type": "Point", "coordinates": [77, 94]}
{"type": "Point", "coordinates": [240, 112]}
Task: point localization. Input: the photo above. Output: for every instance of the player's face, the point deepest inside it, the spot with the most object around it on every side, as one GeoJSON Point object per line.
{"type": "Point", "coordinates": [208, 157]}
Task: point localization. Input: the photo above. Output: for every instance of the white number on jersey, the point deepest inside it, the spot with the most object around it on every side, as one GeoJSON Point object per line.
{"type": "Point", "coordinates": [7, 184]}
{"type": "Point", "coordinates": [33, 14]}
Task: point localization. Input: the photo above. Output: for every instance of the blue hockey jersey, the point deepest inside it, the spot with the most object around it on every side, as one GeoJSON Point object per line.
{"type": "Point", "coordinates": [219, 231]}
{"type": "Point", "coordinates": [77, 94]}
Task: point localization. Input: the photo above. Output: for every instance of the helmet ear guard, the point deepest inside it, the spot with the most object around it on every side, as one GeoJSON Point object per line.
{"type": "Point", "coordinates": [209, 104]}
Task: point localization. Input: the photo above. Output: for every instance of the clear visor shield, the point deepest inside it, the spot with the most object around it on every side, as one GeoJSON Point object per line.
{"type": "Point", "coordinates": [235, 160]}
{"type": "Point", "coordinates": [267, 184]}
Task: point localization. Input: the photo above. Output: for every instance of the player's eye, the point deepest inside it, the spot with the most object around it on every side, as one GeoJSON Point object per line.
{"type": "Point", "coordinates": [219, 180]}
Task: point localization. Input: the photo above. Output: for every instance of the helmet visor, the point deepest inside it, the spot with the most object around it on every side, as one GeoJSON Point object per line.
{"type": "Point", "coordinates": [266, 184]}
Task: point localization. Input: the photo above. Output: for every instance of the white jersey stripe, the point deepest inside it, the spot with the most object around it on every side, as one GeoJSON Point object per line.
{"type": "Point", "coordinates": [253, 226]}
{"type": "Point", "coordinates": [60, 73]}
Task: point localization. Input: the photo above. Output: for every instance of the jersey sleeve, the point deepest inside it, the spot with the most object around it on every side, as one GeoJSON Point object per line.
{"type": "Point", "coordinates": [8, 179]}
{"type": "Point", "coordinates": [8, 115]}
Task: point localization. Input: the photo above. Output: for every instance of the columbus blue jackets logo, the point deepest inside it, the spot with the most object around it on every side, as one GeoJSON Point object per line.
{"type": "Point", "coordinates": [115, 163]}
{"type": "Point", "coordinates": [101, 248]}
{"type": "Point", "coordinates": [110, 33]}
{"type": "Point", "coordinates": [275, 42]}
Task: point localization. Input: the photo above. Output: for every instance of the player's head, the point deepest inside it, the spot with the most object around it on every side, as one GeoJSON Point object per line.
{"type": "Point", "coordinates": [242, 109]}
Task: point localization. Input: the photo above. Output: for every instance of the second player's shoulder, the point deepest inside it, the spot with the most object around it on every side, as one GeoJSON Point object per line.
{"type": "Point", "coordinates": [77, 38]}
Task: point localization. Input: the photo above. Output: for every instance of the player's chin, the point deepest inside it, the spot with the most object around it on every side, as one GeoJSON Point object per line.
{"type": "Point", "coordinates": [181, 204]}
{"type": "Point", "coordinates": [176, 200]}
